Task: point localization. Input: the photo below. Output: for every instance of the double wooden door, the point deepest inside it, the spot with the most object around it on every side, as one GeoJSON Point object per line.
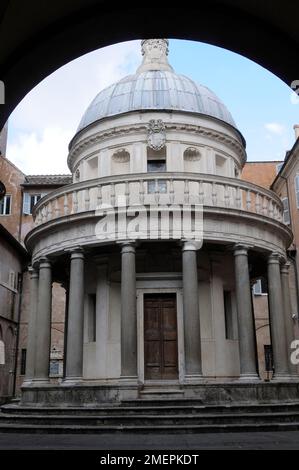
{"type": "Point", "coordinates": [160, 337]}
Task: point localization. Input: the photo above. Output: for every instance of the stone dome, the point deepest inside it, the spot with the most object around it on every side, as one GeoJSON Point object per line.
{"type": "Point", "coordinates": [155, 86]}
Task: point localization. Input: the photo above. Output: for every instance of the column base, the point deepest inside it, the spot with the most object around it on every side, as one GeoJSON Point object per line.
{"type": "Point", "coordinates": [72, 381]}
{"type": "Point", "coordinates": [284, 378]}
{"type": "Point", "coordinates": [129, 380]}
{"type": "Point", "coordinates": [27, 383]}
{"type": "Point", "coordinates": [193, 379]}
{"type": "Point", "coordinates": [38, 381]}
{"type": "Point", "coordinates": [249, 377]}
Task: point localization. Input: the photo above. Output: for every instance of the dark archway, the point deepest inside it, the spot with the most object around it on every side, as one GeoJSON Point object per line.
{"type": "Point", "coordinates": [36, 37]}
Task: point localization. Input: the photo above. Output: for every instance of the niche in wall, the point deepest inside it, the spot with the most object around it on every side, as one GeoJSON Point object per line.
{"type": "Point", "coordinates": [120, 162]}
{"type": "Point", "coordinates": [192, 159]}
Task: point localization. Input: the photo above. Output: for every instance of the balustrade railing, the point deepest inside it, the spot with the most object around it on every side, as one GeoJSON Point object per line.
{"type": "Point", "coordinates": [160, 188]}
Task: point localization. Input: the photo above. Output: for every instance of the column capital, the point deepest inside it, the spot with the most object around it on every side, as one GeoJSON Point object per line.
{"type": "Point", "coordinates": [128, 247]}
{"type": "Point", "coordinates": [284, 268]}
{"type": "Point", "coordinates": [76, 252]}
{"type": "Point", "coordinates": [33, 272]}
{"type": "Point", "coordinates": [44, 262]}
{"type": "Point", "coordinates": [240, 249]}
{"type": "Point", "coordinates": [274, 258]}
{"type": "Point", "coordinates": [190, 245]}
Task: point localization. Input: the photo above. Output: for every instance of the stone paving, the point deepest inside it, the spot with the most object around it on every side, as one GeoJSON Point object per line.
{"type": "Point", "coordinates": [256, 440]}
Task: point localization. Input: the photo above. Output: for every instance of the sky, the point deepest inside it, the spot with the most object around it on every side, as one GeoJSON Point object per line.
{"type": "Point", "coordinates": [263, 107]}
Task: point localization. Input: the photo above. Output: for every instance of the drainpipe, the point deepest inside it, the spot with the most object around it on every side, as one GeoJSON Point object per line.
{"type": "Point", "coordinates": [20, 291]}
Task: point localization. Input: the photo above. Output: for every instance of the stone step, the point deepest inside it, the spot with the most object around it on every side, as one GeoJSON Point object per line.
{"type": "Point", "coordinates": [158, 407]}
{"type": "Point", "coordinates": [148, 420]}
{"type": "Point", "coordinates": [163, 429]}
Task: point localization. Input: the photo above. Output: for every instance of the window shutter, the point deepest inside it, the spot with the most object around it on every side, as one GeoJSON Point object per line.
{"type": "Point", "coordinates": [26, 203]}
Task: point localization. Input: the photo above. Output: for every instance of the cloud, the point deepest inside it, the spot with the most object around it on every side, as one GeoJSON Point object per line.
{"type": "Point", "coordinates": [275, 128]}
{"type": "Point", "coordinates": [41, 154]}
{"type": "Point", "coordinates": [49, 115]}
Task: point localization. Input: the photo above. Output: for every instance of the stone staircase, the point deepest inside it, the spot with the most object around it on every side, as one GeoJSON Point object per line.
{"type": "Point", "coordinates": [151, 416]}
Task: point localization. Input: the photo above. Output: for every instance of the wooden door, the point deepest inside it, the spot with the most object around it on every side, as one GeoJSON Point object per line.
{"type": "Point", "coordinates": [160, 337]}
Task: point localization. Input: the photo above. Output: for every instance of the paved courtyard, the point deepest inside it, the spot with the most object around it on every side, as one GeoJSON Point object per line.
{"type": "Point", "coordinates": [255, 440]}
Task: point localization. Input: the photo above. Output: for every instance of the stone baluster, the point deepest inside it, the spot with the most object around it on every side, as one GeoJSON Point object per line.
{"type": "Point", "coordinates": [65, 204]}
{"type": "Point", "coordinates": [248, 200]}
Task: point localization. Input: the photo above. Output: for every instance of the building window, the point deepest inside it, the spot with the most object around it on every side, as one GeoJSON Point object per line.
{"type": "Point", "coordinates": [286, 210]}
{"type": "Point", "coordinates": [228, 315]}
{"type": "Point", "coordinates": [5, 205]}
{"type": "Point", "coordinates": [297, 189]}
{"type": "Point", "coordinates": [260, 287]}
{"type": "Point", "coordinates": [29, 202]}
{"type": "Point", "coordinates": [157, 166]}
{"type": "Point", "coordinates": [23, 361]}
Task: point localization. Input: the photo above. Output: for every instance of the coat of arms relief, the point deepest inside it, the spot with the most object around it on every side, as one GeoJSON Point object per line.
{"type": "Point", "coordinates": [156, 134]}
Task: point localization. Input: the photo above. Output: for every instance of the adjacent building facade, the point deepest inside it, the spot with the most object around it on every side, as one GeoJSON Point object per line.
{"type": "Point", "coordinates": [13, 262]}
{"type": "Point", "coordinates": [22, 193]}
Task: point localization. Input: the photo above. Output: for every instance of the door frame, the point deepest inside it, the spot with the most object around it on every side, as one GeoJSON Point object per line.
{"type": "Point", "coordinates": [177, 289]}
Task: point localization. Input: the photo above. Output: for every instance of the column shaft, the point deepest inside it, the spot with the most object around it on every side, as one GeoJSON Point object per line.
{"type": "Point", "coordinates": [75, 324]}
{"type": "Point", "coordinates": [43, 321]}
{"type": "Point", "coordinates": [128, 312]}
{"type": "Point", "coordinates": [193, 365]}
{"type": "Point", "coordinates": [246, 328]}
{"type": "Point", "coordinates": [31, 339]}
{"type": "Point", "coordinates": [277, 321]}
{"type": "Point", "coordinates": [289, 327]}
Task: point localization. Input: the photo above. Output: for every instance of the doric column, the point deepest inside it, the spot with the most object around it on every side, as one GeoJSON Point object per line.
{"type": "Point", "coordinates": [128, 312]}
{"type": "Point", "coordinates": [43, 321]}
{"type": "Point", "coordinates": [284, 272]}
{"type": "Point", "coordinates": [75, 323]}
{"type": "Point", "coordinates": [246, 328]}
{"type": "Point", "coordinates": [31, 339]}
{"type": "Point", "coordinates": [193, 366]}
{"type": "Point", "coordinates": [277, 321]}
